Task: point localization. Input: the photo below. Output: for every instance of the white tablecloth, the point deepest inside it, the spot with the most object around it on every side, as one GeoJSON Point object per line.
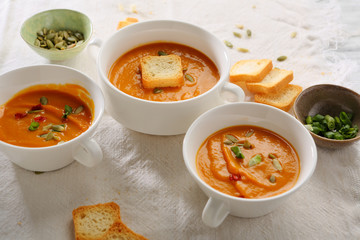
{"type": "Point", "coordinates": [146, 174]}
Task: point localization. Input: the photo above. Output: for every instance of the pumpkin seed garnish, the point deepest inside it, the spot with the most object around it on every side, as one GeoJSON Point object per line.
{"type": "Point", "coordinates": [249, 133]}
{"type": "Point", "coordinates": [228, 142]}
{"type": "Point", "coordinates": [277, 164]}
{"type": "Point", "coordinates": [56, 137]}
{"type": "Point", "coordinates": [162, 53]}
{"type": "Point", "coordinates": [35, 111]}
{"type": "Point", "coordinates": [47, 127]}
{"type": "Point", "coordinates": [247, 144]}
{"type": "Point", "coordinates": [79, 36]}
{"type": "Point", "coordinates": [272, 156]}
{"type": "Point", "coordinates": [231, 138]}
{"type": "Point", "coordinates": [189, 77]}
{"type": "Point", "coordinates": [79, 109]}
{"type": "Point", "coordinates": [43, 100]}
{"type": "Point", "coordinates": [272, 179]}
{"type": "Point", "coordinates": [40, 33]}
{"type": "Point", "coordinates": [157, 90]}
{"type": "Point", "coordinates": [43, 135]}
{"type": "Point", "coordinates": [49, 136]}
{"type": "Point", "coordinates": [236, 34]}
{"type": "Point", "coordinates": [255, 160]}
{"type": "Point", "coordinates": [244, 50]}
{"type": "Point", "coordinates": [38, 172]}
{"type": "Point", "coordinates": [281, 58]}
{"type": "Point", "coordinates": [64, 39]}
{"type": "Point", "coordinates": [248, 32]}
{"type": "Point", "coordinates": [58, 128]}
{"type": "Point", "coordinates": [228, 44]}
{"type": "Point", "coordinates": [37, 42]}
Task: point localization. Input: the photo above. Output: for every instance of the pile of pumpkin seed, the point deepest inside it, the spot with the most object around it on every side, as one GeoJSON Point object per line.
{"type": "Point", "coordinates": [61, 40]}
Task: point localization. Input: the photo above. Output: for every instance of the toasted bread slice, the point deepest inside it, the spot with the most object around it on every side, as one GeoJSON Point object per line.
{"type": "Point", "coordinates": [273, 82]}
{"type": "Point", "coordinates": [93, 222]}
{"type": "Point", "coordinates": [161, 71]}
{"type": "Point", "coordinates": [253, 70]}
{"type": "Point", "coordinates": [119, 231]}
{"type": "Point", "coordinates": [283, 99]}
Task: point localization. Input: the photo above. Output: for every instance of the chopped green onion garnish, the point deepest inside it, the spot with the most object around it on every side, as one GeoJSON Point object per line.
{"type": "Point", "coordinates": [33, 126]}
{"type": "Point", "coordinates": [237, 151]}
{"type": "Point", "coordinates": [255, 160]}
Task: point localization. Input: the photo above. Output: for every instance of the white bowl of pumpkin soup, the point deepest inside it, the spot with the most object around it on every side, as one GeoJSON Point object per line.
{"type": "Point", "coordinates": [203, 67]}
{"type": "Point", "coordinates": [48, 115]}
{"type": "Point", "coordinates": [248, 158]}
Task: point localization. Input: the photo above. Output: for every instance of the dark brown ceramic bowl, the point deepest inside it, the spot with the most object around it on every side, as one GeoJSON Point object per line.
{"type": "Point", "coordinates": [328, 99]}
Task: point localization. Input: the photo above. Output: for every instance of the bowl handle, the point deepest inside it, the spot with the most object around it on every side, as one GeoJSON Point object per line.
{"type": "Point", "coordinates": [88, 153]}
{"type": "Point", "coordinates": [235, 90]}
{"type": "Point", "coordinates": [97, 42]}
{"type": "Point", "coordinates": [214, 212]}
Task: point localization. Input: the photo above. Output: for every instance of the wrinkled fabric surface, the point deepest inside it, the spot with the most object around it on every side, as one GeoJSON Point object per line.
{"type": "Point", "coordinates": [145, 174]}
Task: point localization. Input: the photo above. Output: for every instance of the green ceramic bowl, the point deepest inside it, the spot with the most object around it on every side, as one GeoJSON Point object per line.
{"type": "Point", "coordinates": [57, 19]}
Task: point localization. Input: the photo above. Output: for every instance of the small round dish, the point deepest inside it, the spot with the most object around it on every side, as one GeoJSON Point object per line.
{"type": "Point", "coordinates": [328, 99]}
{"type": "Point", "coordinates": [57, 19]}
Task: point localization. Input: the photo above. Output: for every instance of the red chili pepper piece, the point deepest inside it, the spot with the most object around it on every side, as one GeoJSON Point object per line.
{"type": "Point", "coordinates": [234, 177]}
{"type": "Point", "coordinates": [36, 107]}
{"type": "Point", "coordinates": [20, 115]}
{"type": "Point", "coordinates": [40, 119]}
{"type": "Point", "coordinates": [64, 120]}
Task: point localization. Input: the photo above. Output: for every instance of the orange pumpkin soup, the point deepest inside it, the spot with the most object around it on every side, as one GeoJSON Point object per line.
{"type": "Point", "coordinates": [46, 115]}
{"type": "Point", "coordinates": [200, 73]}
{"type": "Point", "coordinates": [248, 162]}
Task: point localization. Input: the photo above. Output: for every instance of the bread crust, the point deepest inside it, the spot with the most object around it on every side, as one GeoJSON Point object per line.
{"type": "Point", "coordinates": [120, 231]}
{"type": "Point", "coordinates": [283, 99]}
{"type": "Point", "coordinates": [273, 82]}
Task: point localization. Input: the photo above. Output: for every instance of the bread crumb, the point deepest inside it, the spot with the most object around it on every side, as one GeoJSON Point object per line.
{"type": "Point", "coordinates": [121, 7]}
{"type": "Point", "coordinates": [293, 34]}
{"type": "Point", "coordinates": [19, 223]}
{"type": "Point", "coordinates": [133, 8]}
{"type": "Point", "coordinates": [127, 22]}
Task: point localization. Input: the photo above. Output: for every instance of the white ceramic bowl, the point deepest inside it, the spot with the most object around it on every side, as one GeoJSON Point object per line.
{"type": "Point", "coordinates": [219, 204]}
{"type": "Point", "coordinates": [82, 148]}
{"type": "Point", "coordinates": [162, 118]}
